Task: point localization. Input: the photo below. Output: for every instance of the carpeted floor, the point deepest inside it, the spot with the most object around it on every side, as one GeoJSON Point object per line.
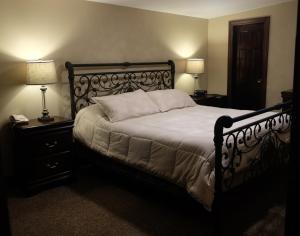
{"type": "Point", "coordinates": [97, 204]}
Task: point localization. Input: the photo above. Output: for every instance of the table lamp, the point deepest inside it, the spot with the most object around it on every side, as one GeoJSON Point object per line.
{"type": "Point", "coordinates": [195, 67]}
{"type": "Point", "coordinates": [42, 72]}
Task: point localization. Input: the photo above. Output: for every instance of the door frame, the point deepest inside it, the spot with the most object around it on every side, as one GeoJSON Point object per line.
{"type": "Point", "coordinates": [232, 25]}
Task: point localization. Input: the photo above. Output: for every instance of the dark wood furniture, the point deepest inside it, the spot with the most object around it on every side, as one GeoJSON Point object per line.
{"type": "Point", "coordinates": [287, 95]}
{"type": "Point", "coordinates": [87, 82]}
{"type": "Point", "coordinates": [215, 100]}
{"type": "Point", "coordinates": [43, 153]}
{"type": "Point", "coordinates": [4, 215]}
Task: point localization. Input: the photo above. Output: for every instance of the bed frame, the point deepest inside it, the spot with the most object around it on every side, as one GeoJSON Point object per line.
{"type": "Point", "coordinates": [89, 80]}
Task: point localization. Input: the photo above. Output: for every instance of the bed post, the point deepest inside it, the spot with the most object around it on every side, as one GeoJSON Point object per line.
{"type": "Point", "coordinates": [172, 64]}
{"type": "Point", "coordinates": [221, 123]}
{"type": "Point", "coordinates": [70, 69]}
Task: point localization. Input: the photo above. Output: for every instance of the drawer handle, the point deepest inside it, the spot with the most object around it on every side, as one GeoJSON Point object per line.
{"type": "Point", "coordinates": [52, 166]}
{"type": "Point", "coordinates": [51, 145]}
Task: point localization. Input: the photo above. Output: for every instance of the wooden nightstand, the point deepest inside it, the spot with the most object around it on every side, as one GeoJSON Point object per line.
{"type": "Point", "coordinates": [43, 153]}
{"type": "Point", "coordinates": [287, 95]}
{"type": "Point", "coordinates": [214, 100]}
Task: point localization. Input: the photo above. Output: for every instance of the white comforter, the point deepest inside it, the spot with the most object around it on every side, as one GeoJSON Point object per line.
{"type": "Point", "coordinates": [176, 145]}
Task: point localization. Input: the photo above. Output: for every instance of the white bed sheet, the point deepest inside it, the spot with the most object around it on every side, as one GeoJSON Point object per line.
{"type": "Point", "coordinates": [176, 145]}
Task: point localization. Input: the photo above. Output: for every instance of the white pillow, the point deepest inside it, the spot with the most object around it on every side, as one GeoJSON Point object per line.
{"type": "Point", "coordinates": [126, 105]}
{"type": "Point", "coordinates": [169, 99]}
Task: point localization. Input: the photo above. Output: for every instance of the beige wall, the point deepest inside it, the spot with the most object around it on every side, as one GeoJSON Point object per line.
{"type": "Point", "coordinates": [281, 49]}
{"type": "Point", "coordinates": [82, 31]}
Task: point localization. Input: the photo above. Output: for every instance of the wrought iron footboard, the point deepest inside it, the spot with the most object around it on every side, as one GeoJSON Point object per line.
{"type": "Point", "coordinates": [249, 150]}
{"type": "Point", "coordinates": [264, 143]}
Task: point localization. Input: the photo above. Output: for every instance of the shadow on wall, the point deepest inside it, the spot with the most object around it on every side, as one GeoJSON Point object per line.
{"type": "Point", "coordinates": [65, 108]}
{"type": "Point", "coordinates": [11, 83]}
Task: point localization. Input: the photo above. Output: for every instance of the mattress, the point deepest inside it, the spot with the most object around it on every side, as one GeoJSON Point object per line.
{"type": "Point", "coordinates": [176, 145]}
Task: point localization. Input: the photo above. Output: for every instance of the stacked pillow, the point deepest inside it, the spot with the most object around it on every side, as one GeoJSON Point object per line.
{"type": "Point", "coordinates": [139, 103]}
{"type": "Point", "coordinates": [170, 99]}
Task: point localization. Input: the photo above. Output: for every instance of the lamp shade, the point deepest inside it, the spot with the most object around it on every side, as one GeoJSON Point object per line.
{"type": "Point", "coordinates": [194, 66]}
{"type": "Point", "coordinates": [41, 72]}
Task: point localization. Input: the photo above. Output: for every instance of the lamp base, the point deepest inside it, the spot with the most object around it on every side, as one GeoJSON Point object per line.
{"type": "Point", "coordinates": [45, 114]}
{"type": "Point", "coordinates": [45, 119]}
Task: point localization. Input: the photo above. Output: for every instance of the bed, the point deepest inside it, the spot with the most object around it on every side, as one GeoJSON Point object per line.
{"type": "Point", "coordinates": [204, 150]}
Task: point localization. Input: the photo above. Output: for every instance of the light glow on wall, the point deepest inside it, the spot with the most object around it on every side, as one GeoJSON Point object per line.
{"type": "Point", "coordinates": [35, 29]}
{"type": "Point", "coordinates": [185, 50]}
{"type": "Point", "coordinates": [187, 46]}
{"type": "Point", "coordinates": [29, 48]}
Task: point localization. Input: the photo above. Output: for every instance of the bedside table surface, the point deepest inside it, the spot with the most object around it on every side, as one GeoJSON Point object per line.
{"type": "Point", "coordinates": [206, 96]}
{"type": "Point", "coordinates": [216, 100]}
{"type": "Point", "coordinates": [36, 124]}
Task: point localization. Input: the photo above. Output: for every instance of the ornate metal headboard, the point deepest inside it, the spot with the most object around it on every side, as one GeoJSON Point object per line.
{"type": "Point", "coordinates": [91, 80]}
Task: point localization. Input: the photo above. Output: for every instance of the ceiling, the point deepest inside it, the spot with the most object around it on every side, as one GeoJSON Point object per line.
{"type": "Point", "coordinates": [196, 8]}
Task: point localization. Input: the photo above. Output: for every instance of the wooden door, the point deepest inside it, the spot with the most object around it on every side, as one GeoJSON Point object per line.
{"type": "Point", "coordinates": [248, 60]}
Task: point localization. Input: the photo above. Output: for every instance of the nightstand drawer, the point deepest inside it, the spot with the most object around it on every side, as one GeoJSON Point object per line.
{"type": "Point", "coordinates": [52, 165]}
{"type": "Point", "coordinates": [52, 142]}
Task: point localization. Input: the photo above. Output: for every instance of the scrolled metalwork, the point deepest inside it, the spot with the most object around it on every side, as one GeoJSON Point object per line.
{"type": "Point", "coordinates": [85, 86]}
{"type": "Point", "coordinates": [253, 148]}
